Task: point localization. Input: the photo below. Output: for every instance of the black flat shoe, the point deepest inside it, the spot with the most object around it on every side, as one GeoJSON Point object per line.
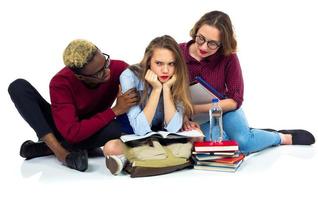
{"type": "Point", "coordinates": [77, 160]}
{"type": "Point", "coordinates": [95, 152]}
{"type": "Point", "coordinates": [30, 149]}
{"type": "Point", "coordinates": [300, 137]}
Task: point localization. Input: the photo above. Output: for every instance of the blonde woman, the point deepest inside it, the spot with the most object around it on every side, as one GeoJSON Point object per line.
{"type": "Point", "coordinates": [161, 79]}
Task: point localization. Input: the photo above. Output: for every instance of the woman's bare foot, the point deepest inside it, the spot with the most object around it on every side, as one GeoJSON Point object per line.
{"type": "Point", "coordinates": [286, 139]}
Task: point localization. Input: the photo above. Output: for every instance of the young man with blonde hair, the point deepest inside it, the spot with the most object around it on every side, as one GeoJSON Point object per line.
{"type": "Point", "coordinates": [80, 118]}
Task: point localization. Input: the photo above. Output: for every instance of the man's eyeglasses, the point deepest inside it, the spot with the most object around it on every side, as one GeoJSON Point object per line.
{"type": "Point", "coordinates": [101, 71]}
{"type": "Point", "coordinates": [213, 45]}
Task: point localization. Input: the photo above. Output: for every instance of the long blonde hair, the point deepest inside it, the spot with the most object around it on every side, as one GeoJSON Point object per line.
{"type": "Point", "coordinates": [180, 89]}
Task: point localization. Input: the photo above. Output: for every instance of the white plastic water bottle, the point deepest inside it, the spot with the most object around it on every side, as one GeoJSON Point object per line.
{"type": "Point", "coordinates": [216, 124]}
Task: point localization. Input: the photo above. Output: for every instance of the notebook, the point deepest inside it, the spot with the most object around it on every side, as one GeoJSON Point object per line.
{"type": "Point", "coordinates": [201, 93]}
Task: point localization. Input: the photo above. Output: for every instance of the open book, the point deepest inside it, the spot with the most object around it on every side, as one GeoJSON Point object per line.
{"type": "Point", "coordinates": [163, 134]}
{"type": "Point", "coordinates": [202, 93]}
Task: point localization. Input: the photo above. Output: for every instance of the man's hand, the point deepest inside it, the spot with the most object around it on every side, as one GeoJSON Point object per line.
{"type": "Point", "coordinates": [125, 101]}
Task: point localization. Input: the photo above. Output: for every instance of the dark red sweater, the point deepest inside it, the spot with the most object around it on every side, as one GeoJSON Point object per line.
{"type": "Point", "coordinates": [222, 72]}
{"type": "Point", "coordinates": [78, 111]}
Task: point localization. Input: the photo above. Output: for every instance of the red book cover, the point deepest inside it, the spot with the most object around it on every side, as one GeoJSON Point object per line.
{"type": "Point", "coordinates": [209, 146]}
{"type": "Point", "coordinates": [230, 160]}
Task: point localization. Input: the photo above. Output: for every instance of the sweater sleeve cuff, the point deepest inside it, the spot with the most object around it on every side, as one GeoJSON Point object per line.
{"type": "Point", "coordinates": [111, 112]}
{"type": "Point", "coordinates": [109, 115]}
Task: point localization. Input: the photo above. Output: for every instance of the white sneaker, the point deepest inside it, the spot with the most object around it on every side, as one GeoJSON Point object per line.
{"type": "Point", "coordinates": [115, 163]}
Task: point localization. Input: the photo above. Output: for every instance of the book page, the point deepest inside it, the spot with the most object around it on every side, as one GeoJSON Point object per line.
{"type": "Point", "coordinates": [192, 133]}
{"type": "Point", "coordinates": [163, 134]}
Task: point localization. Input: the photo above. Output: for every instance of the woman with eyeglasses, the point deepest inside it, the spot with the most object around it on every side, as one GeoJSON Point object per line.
{"type": "Point", "coordinates": [161, 79]}
{"type": "Point", "coordinates": [211, 54]}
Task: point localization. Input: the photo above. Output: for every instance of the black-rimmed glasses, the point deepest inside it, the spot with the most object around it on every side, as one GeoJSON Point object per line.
{"type": "Point", "coordinates": [101, 71]}
{"type": "Point", "coordinates": [213, 45]}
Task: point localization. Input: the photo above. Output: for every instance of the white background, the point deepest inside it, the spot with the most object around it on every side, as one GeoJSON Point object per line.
{"type": "Point", "coordinates": [277, 43]}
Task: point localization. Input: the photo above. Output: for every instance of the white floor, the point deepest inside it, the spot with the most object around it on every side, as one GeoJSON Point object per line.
{"type": "Point", "coordinates": [285, 171]}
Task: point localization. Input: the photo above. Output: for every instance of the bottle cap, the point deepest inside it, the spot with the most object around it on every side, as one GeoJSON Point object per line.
{"type": "Point", "coordinates": [215, 100]}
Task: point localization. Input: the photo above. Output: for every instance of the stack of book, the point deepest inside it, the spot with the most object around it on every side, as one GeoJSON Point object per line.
{"type": "Point", "coordinates": [217, 156]}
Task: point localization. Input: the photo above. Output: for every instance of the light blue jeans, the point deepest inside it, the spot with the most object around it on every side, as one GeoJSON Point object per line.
{"type": "Point", "coordinates": [236, 128]}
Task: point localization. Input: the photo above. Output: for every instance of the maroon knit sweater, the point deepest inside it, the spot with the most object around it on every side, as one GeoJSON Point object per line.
{"type": "Point", "coordinates": [79, 111]}
{"type": "Point", "coordinates": [221, 72]}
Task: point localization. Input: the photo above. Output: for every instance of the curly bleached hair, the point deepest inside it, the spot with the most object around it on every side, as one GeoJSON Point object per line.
{"type": "Point", "coordinates": [78, 53]}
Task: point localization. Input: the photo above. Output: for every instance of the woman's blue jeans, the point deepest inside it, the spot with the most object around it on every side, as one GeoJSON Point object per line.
{"type": "Point", "coordinates": [249, 139]}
